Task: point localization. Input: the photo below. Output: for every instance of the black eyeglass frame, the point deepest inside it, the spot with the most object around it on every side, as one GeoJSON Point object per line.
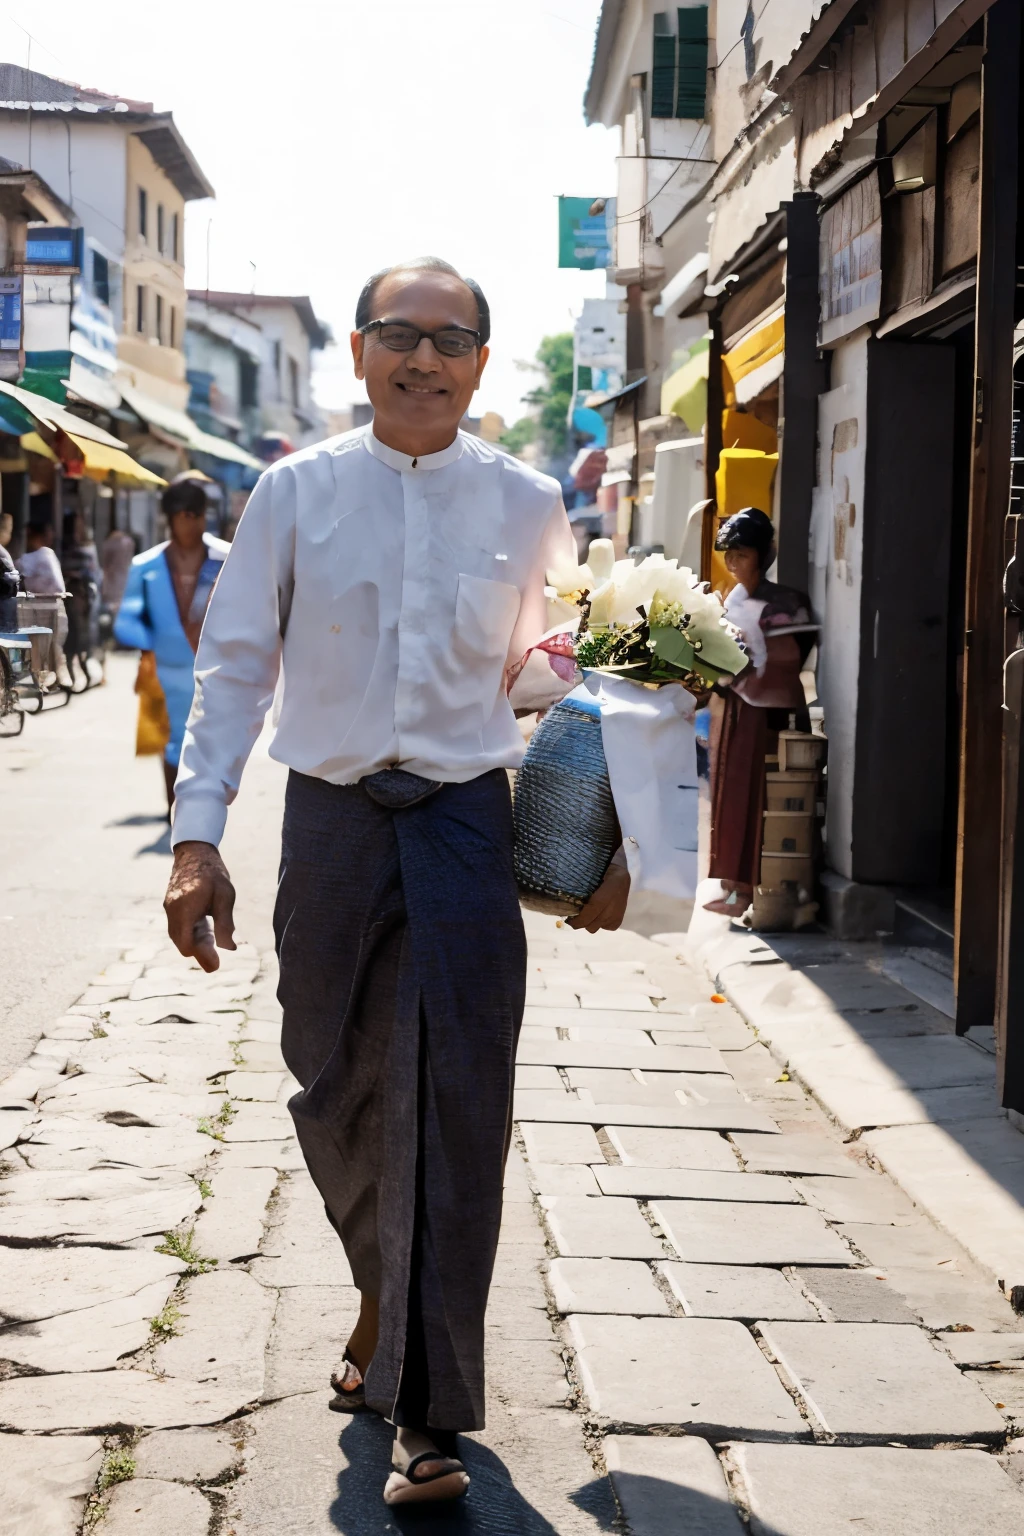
{"type": "Point", "coordinates": [421, 335]}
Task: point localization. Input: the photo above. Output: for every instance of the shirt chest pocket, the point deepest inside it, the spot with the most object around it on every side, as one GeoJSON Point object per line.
{"type": "Point", "coordinates": [485, 616]}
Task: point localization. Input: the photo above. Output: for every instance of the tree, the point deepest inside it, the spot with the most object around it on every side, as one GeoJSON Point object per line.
{"type": "Point", "coordinates": [551, 400]}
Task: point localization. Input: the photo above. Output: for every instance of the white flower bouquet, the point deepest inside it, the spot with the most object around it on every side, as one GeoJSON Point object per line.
{"type": "Point", "coordinates": [650, 623]}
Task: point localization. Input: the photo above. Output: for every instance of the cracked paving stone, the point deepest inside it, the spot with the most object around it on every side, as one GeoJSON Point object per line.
{"type": "Point", "coordinates": [608, 1054]}
{"type": "Point", "coordinates": [714, 1232]}
{"type": "Point", "coordinates": [225, 1324]}
{"type": "Point", "coordinates": [705, 1375]}
{"type": "Point", "coordinates": [258, 1087]}
{"type": "Point", "coordinates": [872, 1199]}
{"type": "Point", "coordinates": [93, 1339]}
{"type": "Point", "coordinates": [261, 1056]}
{"type": "Point", "coordinates": [983, 1348]}
{"type": "Point", "coordinates": [563, 1179]}
{"type": "Point", "coordinates": [230, 1225]}
{"type": "Point", "coordinates": [645, 1147]}
{"type": "Point", "coordinates": [312, 1324]}
{"type": "Point", "coordinates": [603, 1228]}
{"type": "Point", "coordinates": [740, 1291]}
{"type": "Point", "coordinates": [565, 1110]}
{"type": "Point", "coordinates": [885, 1492]}
{"type": "Point", "coordinates": [561, 1144]}
{"type": "Point", "coordinates": [118, 1218]}
{"type": "Point", "coordinates": [857, 1296]}
{"type": "Point", "coordinates": [145, 1504]}
{"type": "Point", "coordinates": [38, 1283]}
{"type": "Point", "coordinates": [258, 1122]}
{"type": "Point", "coordinates": [105, 1401]}
{"type": "Point", "coordinates": [622, 1286]}
{"type": "Point", "coordinates": [795, 1153]}
{"type": "Point", "coordinates": [186, 1455]}
{"type": "Point", "coordinates": [45, 1483]}
{"type": "Point", "coordinates": [15, 1120]}
{"type": "Point", "coordinates": [871, 1382]}
{"type": "Point", "coordinates": [186, 1009]}
{"type": "Point", "coordinates": [696, 1184]}
{"type": "Point", "coordinates": [129, 1100]}
{"type": "Point", "coordinates": [67, 1142]}
{"type": "Point", "coordinates": [672, 1484]}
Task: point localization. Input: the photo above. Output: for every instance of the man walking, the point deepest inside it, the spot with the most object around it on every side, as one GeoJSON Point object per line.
{"type": "Point", "coordinates": [393, 575]}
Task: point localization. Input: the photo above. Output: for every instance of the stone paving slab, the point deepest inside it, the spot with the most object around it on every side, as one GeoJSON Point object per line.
{"type": "Point", "coordinates": [37, 1283]}
{"type": "Point", "coordinates": [621, 1286]}
{"type": "Point", "coordinates": [710, 1117]}
{"type": "Point", "coordinates": [663, 1058]}
{"type": "Point", "coordinates": [857, 1296]}
{"type": "Point", "coordinates": [258, 1087]}
{"type": "Point", "coordinates": [156, 1010]}
{"type": "Point", "coordinates": [186, 1455]}
{"type": "Point", "coordinates": [594, 1018]}
{"type": "Point", "coordinates": [984, 1348]}
{"type": "Point", "coordinates": [145, 1504]}
{"type": "Point", "coordinates": [617, 1085]}
{"type": "Point", "coordinates": [602, 1228]}
{"type": "Point", "coordinates": [283, 1156]}
{"type": "Point", "coordinates": [740, 1291]}
{"type": "Point", "coordinates": [943, 1299]}
{"type": "Point", "coordinates": [561, 1144]}
{"type": "Point", "coordinates": [132, 1101]}
{"type": "Point", "coordinates": [1005, 1390]}
{"type": "Point", "coordinates": [115, 1219]}
{"type": "Point", "coordinates": [73, 1142]}
{"type": "Point", "coordinates": [867, 1383]}
{"type": "Point", "coordinates": [259, 1122]}
{"type": "Point", "coordinates": [885, 1492]}
{"type": "Point", "coordinates": [311, 1328]}
{"type": "Point", "coordinates": [230, 1225]}
{"type": "Point", "coordinates": [671, 1484]}
{"type": "Point", "coordinates": [651, 1148]}
{"type": "Point", "coordinates": [225, 1324]}
{"type": "Point", "coordinates": [796, 1154]}
{"type": "Point", "coordinates": [15, 1121]}
{"type": "Point", "coordinates": [261, 1056]}
{"type": "Point", "coordinates": [695, 1184]}
{"type": "Point", "coordinates": [45, 1483]}
{"type": "Point", "coordinates": [700, 1374]}
{"type": "Point", "coordinates": [870, 1199]}
{"type": "Point", "coordinates": [539, 1077]}
{"type": "Point", "coordinates": [92, 1339]}
{"type": "Point", "coordinates": [103, 1402]}
{"type": "Point", "coordinates": [714, 1232]}
{"type": "Point", "coordinates": [563, 1179]}
{"type": "Point", "coordinates": [300, 1246]}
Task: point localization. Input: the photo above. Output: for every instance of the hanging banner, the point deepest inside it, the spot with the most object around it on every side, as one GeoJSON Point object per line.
{"type": "Point", "coordinates": [585, 238]}
{"type": "Point", "coordinates": [10, 314]}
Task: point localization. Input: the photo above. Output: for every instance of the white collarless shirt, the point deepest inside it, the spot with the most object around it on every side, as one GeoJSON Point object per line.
{"type": "Point", "coordinates": [383, 597]}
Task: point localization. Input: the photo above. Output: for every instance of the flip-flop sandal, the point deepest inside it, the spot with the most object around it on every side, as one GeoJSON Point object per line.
{"type": "Point", "coordinates": [405, 1487]}
{"type": "Point", "coordinates": [349, 1389]}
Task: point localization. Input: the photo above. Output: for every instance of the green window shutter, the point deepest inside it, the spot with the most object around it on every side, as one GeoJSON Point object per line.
{"type": "Point", "coordinates": [663, 76]}
{"type": "Point", "coordinates": [691, 93]}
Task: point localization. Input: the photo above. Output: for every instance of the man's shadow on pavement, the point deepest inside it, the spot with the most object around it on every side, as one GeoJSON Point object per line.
{"type": "Point", "coordinates": [161, 844]}
{"type": "Point", "coordinates": [494, 1506]}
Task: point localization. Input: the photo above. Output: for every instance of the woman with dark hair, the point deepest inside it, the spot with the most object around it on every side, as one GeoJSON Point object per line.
{"type": "Point", "coordinates": [169, 588]}
{"type": "Point", "coordinates": [778, 630]}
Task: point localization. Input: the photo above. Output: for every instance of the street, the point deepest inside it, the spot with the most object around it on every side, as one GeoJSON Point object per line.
{"type": "Point", "coordinates": [709, 1307]}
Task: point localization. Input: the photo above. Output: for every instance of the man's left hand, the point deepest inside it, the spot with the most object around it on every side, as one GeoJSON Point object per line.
{"type": "Point", "coordinates": [607, 907]}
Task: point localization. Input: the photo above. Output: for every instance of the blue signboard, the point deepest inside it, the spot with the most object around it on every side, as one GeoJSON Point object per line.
{"type": "Point", "coordinates": [50, 247]}
{"type": "Point", "coordinates": [585, 238]}
{"type": "Point", "coordinates": [10, 314]}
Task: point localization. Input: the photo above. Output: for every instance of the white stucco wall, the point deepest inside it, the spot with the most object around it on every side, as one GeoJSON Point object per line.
{"type": "Point", "coordinates": [97, 185]}
{"type": "Point", "coordinates": [836, 550]}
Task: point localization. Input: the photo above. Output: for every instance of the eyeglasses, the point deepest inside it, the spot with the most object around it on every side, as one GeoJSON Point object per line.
{"type": "Point", "coordinates": [400, 336]}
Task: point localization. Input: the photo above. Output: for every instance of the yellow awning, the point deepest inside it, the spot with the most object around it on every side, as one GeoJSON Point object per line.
{"type": "Point", "coordinates": [33, 443]}
{"type": "Point", "coordinates": [685, 392]}
{"type": "Point", "coordinates": [760, 347]}
{"type": "Point", "coordinates": [100, 461]}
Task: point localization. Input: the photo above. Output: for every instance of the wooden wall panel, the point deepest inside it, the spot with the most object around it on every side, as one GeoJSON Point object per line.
{"type": "Point", "coordinates": [961, 185]}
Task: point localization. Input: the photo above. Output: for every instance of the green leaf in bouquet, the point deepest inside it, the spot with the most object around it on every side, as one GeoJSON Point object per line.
{"type": "Point", "coordinates": [672, 648]}
{"type": "Point", "coordinates": [717, 647]}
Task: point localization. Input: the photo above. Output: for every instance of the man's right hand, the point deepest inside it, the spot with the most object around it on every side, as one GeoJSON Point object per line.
{"type": "Point", "coordinates": [200, 888]}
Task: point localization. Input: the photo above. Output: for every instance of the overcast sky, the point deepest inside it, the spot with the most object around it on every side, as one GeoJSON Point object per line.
{"type": "Point", "coordinates": [343, 136]}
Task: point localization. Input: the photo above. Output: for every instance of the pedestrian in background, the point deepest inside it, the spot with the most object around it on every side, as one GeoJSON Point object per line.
{"type": "Point", "coordinates": [161, 614]}
{"type": "Point", "coordinates": [778, 629]}
{"type": "Point", "coordinates": [10, 580]}
{"type": "Point", "coordinates": [392, 576]}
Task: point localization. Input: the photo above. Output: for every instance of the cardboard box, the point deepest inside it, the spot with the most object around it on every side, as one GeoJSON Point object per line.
{"type": "Point", "coordinates": [799, 749]}
{"type": "Point", "coordinates": [794, 871]}
{"type": "Point", "coordinates": [788, 832]}
{"type": "Point", "coordinates": [796, 792]}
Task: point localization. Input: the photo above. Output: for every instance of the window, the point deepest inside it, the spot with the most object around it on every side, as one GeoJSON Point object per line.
{"type": "Point", "coordinates": [277, 368]}
{"type": "Point", "coordinates": [248, 384]}
{"type": "Point", "coordinates": [293, 382]}
{"type": "Point", "coordinates": [172, 335]}
{"type": "Point", "coordinates": [680, 64]}
{"type": "Point", "coordinates": [140, 310]}
{"type": "Point", "coordinates": [101, 277]}
{"type": "Point", "coordinates": [143, 214]}
{"type": "Point", "coordinates": [174, 238]}
{"type": "Point", "coordinates": [160, 228]}
{"type": "Point", "coordinates": [160, 317]}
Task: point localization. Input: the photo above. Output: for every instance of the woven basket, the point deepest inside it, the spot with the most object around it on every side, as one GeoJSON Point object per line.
{"type": "Point", "coordinates": [565, 823]}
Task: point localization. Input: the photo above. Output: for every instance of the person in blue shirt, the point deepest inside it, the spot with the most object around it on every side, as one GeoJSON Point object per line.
{"type": "Point", "coordinates": [165, 600]}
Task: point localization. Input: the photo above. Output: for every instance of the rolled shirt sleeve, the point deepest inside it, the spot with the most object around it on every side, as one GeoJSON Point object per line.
{"type": "Point", "coordinates": [237, 662]}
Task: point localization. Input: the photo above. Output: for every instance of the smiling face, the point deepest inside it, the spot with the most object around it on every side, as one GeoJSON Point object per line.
{"type": "Point", "coordinates": [419, 397]}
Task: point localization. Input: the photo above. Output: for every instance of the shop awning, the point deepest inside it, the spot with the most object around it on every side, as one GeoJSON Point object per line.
{"type": "Point", "coordinates": [101, 461]}
{"type": "Point", "coordinates": [685, 392]}
{"type": "Point", "coordinates": [41, 409]}
{"type": "Point", "coordinates": [33, 443]}
{"type": "Point", "coordinates": [755, 362]}
{"type": "Point", "coordinates": [178, 425]}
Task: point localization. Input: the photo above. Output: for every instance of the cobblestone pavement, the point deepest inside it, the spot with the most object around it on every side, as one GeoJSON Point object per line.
{"type": "Point", "coordinates": [708, 1310]}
